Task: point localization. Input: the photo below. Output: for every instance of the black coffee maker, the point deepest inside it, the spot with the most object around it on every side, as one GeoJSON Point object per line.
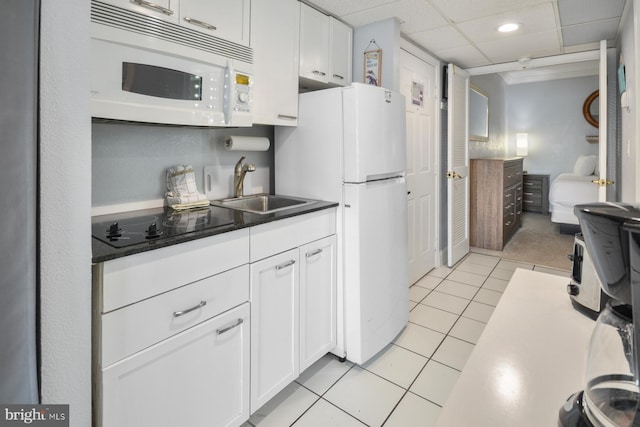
{"type": "Point", "coordinates": [610, 398]}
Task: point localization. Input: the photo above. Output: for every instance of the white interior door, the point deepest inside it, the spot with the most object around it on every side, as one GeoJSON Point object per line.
{"type": "Point", "coordinates": [602, 181]}
{"type": "Point", "coordinates": [457, 165]}
{"type": "Point", "coordinates": [418, 85]}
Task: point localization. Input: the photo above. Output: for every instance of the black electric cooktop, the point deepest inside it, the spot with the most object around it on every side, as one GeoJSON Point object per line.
{"type": "Point", "coordinates": [132, 228]}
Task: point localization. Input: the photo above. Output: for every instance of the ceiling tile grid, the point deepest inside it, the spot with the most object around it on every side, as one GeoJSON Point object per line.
{"type": "Point", "coordinates": [464, 32]}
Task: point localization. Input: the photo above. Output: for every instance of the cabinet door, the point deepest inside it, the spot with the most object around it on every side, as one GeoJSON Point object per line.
{"type": "Point", "coordinates": [227, 19]}
{"type": "Point", "coordinates": [275, 39]}
{"type": "Point", "coordinates": [197, 378]}
{"type": "Point", "coordinates": [167, 10]}
{"type": "Point", "coordinates": [314, 44]}
{"type": "Point", "coordinates": [317, 300]}
{"type": "Point", "coordinates": [274, 325]}
{"type": "Point", "coordinates": [340, 41]}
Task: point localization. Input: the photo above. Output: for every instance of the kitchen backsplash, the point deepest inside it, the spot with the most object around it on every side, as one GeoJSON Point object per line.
{"type": "Point", "coordinates": [129, 161]}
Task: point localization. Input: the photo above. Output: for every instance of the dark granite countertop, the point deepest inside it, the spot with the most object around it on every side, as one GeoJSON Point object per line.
{"type": "Point", "coordinates": [103, 252]}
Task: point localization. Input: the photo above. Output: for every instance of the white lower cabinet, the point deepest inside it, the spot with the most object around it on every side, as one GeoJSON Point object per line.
{"type": "Point", "coordinates": [317, 300]}
{"type": "Point", "coordinates": [274, 329]}
{"type": "Point", "coordinates": [208, 344]}
{"type": "Point", "coordinates": [196, 378]}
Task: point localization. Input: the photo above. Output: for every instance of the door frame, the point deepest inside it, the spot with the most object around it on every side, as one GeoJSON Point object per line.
{"type": "Point", "coordinates": [409, 47]}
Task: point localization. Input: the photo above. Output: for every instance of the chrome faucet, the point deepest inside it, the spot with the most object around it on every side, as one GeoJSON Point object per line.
{"type": "Point", "coordinates": [239, 173]}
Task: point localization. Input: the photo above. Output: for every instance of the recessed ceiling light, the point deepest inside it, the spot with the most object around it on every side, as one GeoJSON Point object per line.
{"type": "Point", "coordinates": [508, 27]}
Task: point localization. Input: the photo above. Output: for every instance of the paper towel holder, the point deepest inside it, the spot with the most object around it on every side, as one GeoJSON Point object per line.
{"type": "Point", "coordinates": [246, 143]}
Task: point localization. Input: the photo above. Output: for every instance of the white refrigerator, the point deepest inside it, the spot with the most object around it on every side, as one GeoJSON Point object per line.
{"type": "Point", "coordinates": [350, 147]}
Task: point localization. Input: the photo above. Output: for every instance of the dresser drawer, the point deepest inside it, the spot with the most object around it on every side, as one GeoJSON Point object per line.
{"type": "Point", "coordinates": [138, 326]}
{"type": "Point", "coordinates": [512, 173]}
{"type": "Point", "coordinates": [532, 184]}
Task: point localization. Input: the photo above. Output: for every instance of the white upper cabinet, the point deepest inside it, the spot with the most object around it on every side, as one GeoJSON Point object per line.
{"type": "Point", "coordinates": [226, 19]}
{"type": "Point", "coordinates": [275, 40]}
{"type": "Point", "coordinates": [167, 10]}
{"type": "Point", "coordinates": [325, 50]}
{"type": "Point", "coordinates": [340, 41]}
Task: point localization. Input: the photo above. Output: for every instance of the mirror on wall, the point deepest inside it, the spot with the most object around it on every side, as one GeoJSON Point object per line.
{"type": "Point", "coordinates": [478, 115]}
{"type": "Point", "coordinates": [590, 109]}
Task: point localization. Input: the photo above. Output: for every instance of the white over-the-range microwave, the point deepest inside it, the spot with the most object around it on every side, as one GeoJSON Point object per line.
{"type": "Point", "coordinates": [147, 70]}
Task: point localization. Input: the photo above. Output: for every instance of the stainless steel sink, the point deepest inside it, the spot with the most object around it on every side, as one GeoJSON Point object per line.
{"type": "Point", "coordinates": [262, 203]}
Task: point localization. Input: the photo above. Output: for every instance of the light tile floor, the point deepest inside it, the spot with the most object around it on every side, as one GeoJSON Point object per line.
{"type": "Point", "coordinates": [408, 382]}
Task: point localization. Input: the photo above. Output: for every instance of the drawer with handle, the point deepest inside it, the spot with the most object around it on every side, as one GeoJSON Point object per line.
{"type": "Point", "coordinates": [137, 326]}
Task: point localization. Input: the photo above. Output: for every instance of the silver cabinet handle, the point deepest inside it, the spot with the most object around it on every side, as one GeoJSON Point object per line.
{"type": "Point", "coordinates": [319, 73]}
{"type": "Point", "coordinates": [286, 117]}
{"type": "Point", "coordinates": [200, 23]}
{"type": "Point", "coordinates": [338, 76]}
{"type": "Point", "coordinates": [228, 328]}
{"type": "Point", "coordinates": [153, 6]}
{"type": "Point", "coordinates": [313, 253]}
{"type": "Point", "coordinates": [285, 264]}
{"type": "Point", "coordinates": [189, 310]}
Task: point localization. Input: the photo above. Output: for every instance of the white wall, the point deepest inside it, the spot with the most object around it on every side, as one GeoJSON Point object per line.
{"type": "Point", "coordinates": [130, 161]}
{"type": "Point", "coordinates": [551, 113]}
{"type": "Point", "coordinates": [495, 89]}
{"type": "Point", "coordinates": [65, 208]}
{"type": "Point", "coordinates": [387, 36]}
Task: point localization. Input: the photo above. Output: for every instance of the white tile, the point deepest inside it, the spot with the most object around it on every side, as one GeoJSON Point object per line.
{"type": "Point", "coordinates": [419, 339]}
{"type": "Point", "coordinates": [414, 411]}
{"type": "Point", "coordinates": [453, 352]}
{"type": "Point", "coordinates": [435, 382]}
{"type": "Point", "coordinates": [487, 296]}
{"type": "Point", "coordinates": [495, 284]}
{"type": "Point", "coordinates": [501, 273]}
{"type": "Point", "coordinates": [557, 272]}
{"type": "Point", "coordinates": [364, 395]}
{"type": "Point", "coordinates": [396, 364]}
{"type": "Point", "coordinates": [467, 330]}
{"type": "Point", "coordinates": [512, 265]}
{"type": "Point", "coordinates": [417, 293]}
{"type": "Point", "coordinates": [428, 282]}
{"type": "Point", "coordinates": [440, 272]}
{"type": "Point", "coordinates": [432, 318]}
{"type": "Point", "coordinates": [478, 311]}
{"type": "Point", "coordinates": [480, 259]}
{"type": "Point", "coordinates": [285, 407]}
{"type": "Point", "coordinates": [457, 289]}
{"type": "Point", "coordinates": [324, 373]}
{"type": "Point", "coordinates": [467, 278]}
{"type": "Point", "coordinates": [324, 414]}
{"type": "Point", "coordinates": [412, 305]}
{"type": "Point", "coordinates": [470, 267]}
{"type": "Point", "coordinates": [446, 302]}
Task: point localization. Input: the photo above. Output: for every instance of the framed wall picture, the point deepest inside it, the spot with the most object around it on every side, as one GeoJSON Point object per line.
{"type": "Point", "coordinates": [372, 64]}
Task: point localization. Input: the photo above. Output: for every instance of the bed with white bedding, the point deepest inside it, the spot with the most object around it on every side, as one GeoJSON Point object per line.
{"type": "Point", "coordinates": [566, 191]}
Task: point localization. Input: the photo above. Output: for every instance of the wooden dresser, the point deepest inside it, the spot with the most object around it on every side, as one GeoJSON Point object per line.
{"type": "Point", "coordinates": [495, 208]}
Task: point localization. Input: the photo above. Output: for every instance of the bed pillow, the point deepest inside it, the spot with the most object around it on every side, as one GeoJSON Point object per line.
{"type": "Point", "coordinates": [585, 165]}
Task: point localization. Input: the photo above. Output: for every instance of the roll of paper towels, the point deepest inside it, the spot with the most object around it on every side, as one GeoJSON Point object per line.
{"type": "Point", "coordinates": [246, 143]}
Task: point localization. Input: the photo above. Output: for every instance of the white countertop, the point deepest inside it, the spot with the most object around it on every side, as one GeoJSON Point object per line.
{"type": "Point", "coordinates": [530, 358]}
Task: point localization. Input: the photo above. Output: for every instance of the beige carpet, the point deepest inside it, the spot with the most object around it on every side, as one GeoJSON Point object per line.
{"type": "Point", "coordinates": [538, 242]}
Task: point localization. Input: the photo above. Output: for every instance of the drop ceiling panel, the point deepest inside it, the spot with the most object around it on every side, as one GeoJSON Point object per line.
{"type": "Point", "coordinates": [592, 32]}
{"type": "Point", "coordinates": [414, 15]}
{"type": "Point", "coordinates": [466, 10]}
{"type": "Point", "coordinates": [581, 11]}
{"type": "Point", "coordinates": [341, 7]}
{"type": "Point", "coordinates": [533, 46]}
{"type": "Point", "coordinates": [534, 19]}
{"type": "Point", "coordinates": [439, 39]}
{"type": "Point", "coordinates": [464, 57]}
